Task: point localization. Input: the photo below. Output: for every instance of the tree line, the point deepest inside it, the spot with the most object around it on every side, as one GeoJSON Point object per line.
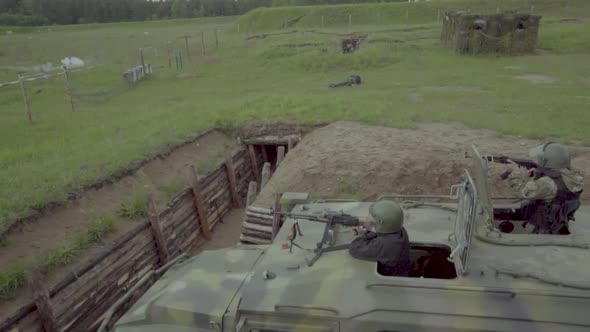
{"type": "Point", "coordinates": [44, 12]}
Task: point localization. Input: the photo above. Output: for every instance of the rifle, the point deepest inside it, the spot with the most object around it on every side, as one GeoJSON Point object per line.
{"type": "Point", "coordinates": [350, 81]}
{"type": "Point", "coordinates": [526, 163]}
{"type": "Point", "coordinates": [330, 219]}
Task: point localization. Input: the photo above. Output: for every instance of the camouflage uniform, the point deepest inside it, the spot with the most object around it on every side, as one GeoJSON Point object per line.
{"type": "Point", "coordinates": [391, 250]}
{"type": "Point", "coordinates": [553, 197]}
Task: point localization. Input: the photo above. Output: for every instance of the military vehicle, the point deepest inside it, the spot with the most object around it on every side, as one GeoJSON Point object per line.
{"type": "Point", "coordinates": [466, 275]}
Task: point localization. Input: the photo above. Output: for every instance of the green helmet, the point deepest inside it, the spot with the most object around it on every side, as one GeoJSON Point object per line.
{"type": "Point", "coordinates": [551, 155]}
{"type": "Point", "coordinates": [388, 216]}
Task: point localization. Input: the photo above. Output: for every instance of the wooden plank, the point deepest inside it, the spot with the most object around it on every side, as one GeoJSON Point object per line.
{"type": "Point", "coordinates": [116, 265]}
{"type": "Point", "coordinates": [253, 220]}
{"type": "Point", "coordinates": [231, 175]}
{"type": "Point", "coordinates": [267, 216]}
{"type": "Point", "coordinates": [252, 189]}
{"type": "Point", "coordinates": [98, 305]}
{"type": "Point", "coordinates": [86, 305]}
{"type": "Point", "coordinates": [254, 162]}
{"type": "Point", "coordinates": [199, 203]}
{"type": "Point", "coordinates": [94, 261]}
{"type": "Point", "coordinates": [183, 210]}
{"type": "Point", "coordinates": [270, 140]}
{"type": "Point", "coordinates": [29, 323]}
{"type": "Point", "coordinates": [41, 299]}
{"type": "Point", "coordinates": [280, 155]}
{"type": "Point", "coordinates": [265, 175]}
{"type": "Point", "coordinates": [276, 222]}
{"type": "Point", "coordinates": [113, 289]}
{"type": "Point", "coordinates": [29, 309]}
{"type": "Point", "coordinates": [263, 211]}
{"type": "Point", "coordinates": [257, 234]}
{"type": "Point", "coordinates": [157, 231]}
{"type": "Point", "coordinates": [254, 240]}
{"type": "Point", "coordinates": [257, 227]}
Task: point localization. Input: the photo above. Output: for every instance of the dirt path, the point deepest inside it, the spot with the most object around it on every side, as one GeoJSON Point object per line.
{"type": "Point", "coordinates": [226, 234]}
{"type": "Point", "coordinates": [353, 160]}
{"type": "Point", "coordinates": [164, 177]}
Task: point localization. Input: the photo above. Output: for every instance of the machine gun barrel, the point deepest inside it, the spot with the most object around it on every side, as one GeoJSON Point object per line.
{"type": "Point", "coordinates": [333, 218]}
{"type": "Point", "coordinates": [339, 84]}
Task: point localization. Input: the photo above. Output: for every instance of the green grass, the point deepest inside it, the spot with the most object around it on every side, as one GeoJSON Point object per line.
{"type": "Point", "coordinates": [268, 19]}
{"type": "Point", "coordinates": [136, 206]}
{"type": "Point", "coordinates": [263, 80]}
{"type": "Point", "coordinates": [14, 278]}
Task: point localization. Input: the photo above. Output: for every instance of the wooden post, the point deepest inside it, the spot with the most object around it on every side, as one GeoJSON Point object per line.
{"type": "Point", "coordinates": [141, 59]}
{"type": "Point", "coordinates": [169, 55]}
{"type": "Point", "coordinates": [216, 39]}
{"type": "Point", "coordinates": [233, 187]}
{"type": "Point", "coordinates": [199, 203]}
{"type": "Point", "coordinates": [280, 155]}
{"type": "Point", "coordinates": [68, 87]}
{"type": "Point", "coordinates": [238, 28]}
{"type": "Point", "coordinates": [407, 14]}
{"type": "Point", "coordinates": [264, 154]}
{"type": "Point", "coordinates": [255, 169]}
{"type": "Point", "coordinates": [265, 175]}
{"type": "Point", "coordinates": [154, 219]}
{"type": "Point", "coordinates": [290, 144]}
{"type": "Point", "coordinates": [252, 189]}
{"type": "Point", "coordinates": [276, 219]}
{"type": "Point", "coordinates": [188, 52]}
{"type": "Point", "coordinates": [41, 300]}
{"type": "Point", "coordinates": [26, 98]}
{"type": "Point", "coordinates": [349, 20]}
{"type": "Point", "coordinates": [180, 58]}
{"type": "Point", "coordinates": [203, 42]}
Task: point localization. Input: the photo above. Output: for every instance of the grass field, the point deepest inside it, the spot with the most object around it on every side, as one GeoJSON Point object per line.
{"type": "Point", "coordinates": [409, 80]}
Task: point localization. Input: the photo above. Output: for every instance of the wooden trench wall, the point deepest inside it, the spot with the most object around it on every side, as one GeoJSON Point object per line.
{"type": "Point", "coordinates": [80, 300]}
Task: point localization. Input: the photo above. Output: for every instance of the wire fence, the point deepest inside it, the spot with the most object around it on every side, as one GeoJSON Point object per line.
{"type": "Point", "coordinates": [187, 51]}
{"type": "Point", "coordinates": [99, 83]}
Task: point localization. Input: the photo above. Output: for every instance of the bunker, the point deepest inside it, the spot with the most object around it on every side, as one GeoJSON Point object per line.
{"type": "Point", "coordinates": [501, 34]}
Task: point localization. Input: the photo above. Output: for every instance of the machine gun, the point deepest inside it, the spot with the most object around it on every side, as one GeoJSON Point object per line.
{"type": "Point", "coordinates": [331, 219]}
{"type": "Point", "coordinates": [502, 159]}
{"type": "Point", "coordinates": [526, 163]}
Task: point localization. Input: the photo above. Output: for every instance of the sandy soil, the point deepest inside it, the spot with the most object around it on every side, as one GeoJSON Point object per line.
{"type": "Point", "coordinates": [53, 230]}
{"type": "Point", "coordinates": [347, 159]}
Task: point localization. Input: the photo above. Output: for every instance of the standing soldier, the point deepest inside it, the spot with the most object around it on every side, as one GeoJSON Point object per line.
{"type": "Point", "coordinates": [389, 244]}
{"type": "Point", "coordinates": [552, 190]}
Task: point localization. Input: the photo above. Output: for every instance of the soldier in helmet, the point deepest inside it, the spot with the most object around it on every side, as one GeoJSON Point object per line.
{"type": "Point", "coordinates": [389, 244]}
{"type": "Point", "coordinates": [552, 190]}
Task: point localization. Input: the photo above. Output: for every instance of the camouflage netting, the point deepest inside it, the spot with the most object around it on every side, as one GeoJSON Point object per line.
{"type": "Point", "coordinates": [507, 33]}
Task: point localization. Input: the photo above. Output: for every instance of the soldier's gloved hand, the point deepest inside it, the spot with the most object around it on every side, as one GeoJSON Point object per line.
{"type": "Point", "coordinates": [359, 230]}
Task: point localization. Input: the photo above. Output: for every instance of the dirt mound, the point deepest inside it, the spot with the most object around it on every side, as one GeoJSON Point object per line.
{"type": "Point", "coordinates": [347, 159]}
